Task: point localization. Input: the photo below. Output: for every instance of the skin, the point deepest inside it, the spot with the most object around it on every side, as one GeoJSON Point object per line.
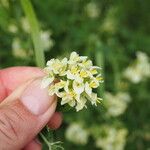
{"type": "Point", "coordinates": [10, 80]}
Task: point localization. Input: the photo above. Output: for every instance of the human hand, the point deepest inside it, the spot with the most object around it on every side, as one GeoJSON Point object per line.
{"type": "Point", "coordinates": [25, 108]}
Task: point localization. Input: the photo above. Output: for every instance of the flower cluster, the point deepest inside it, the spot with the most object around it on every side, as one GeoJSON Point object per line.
{"type": "Point", "coordinates": [74, 80]}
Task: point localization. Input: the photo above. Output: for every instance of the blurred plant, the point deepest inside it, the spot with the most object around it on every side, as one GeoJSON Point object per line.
{"type": "Point", "coordinates": [92, 10]}
{"type": "Point", "coordinates": [4, 3]}
{"type": "Point", "coordinates": [47, 42]}
{"type": "Point", "coordinates": [116, 104]}
{"type": "Point", "coordinates": [25, 24]}
{"type": "Point", "coordinates": [17, 49]}
{"type": "Point", "coordinates": [139, 70]}
{"type": "Point", "coordinates": [111, 138]}
{"type": "Point", "coordinates": [77, 134]}
{"type": "Point", "coordinates": [110, 23]}
{"type": "Point", "coordinates": [12, 28]}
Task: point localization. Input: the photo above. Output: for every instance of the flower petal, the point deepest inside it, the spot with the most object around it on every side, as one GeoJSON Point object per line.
{"type": "Point", "coordinates": [78, 87]}
{"type": "Point", "coordinates": [46, 82]}
{"type": "Point", "coordinates": [64, 101]}
{"type": "Point", "coordinates": [88, 89]}
{"type": "Point", "coordinates": [80, 105]}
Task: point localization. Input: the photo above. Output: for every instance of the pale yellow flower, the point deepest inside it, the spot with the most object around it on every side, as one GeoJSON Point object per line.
{"type": "Point", "coordinates": [74, 74]}
{"type": "Point", "coordinates": [74, 58]}
{"type": "Point", "coordinates": [83, 73]}
{"type": "Point", "coordinates": [99, 78]}
{"type": "Point", "coordinates": [88, 89]}
{"type": "Point", "coordinates": [94, 99]}
{"type": "Point", "coordinates": [67, 97]}
{"type": "Point", "coordinates": [81, 104]}
{"type": "Point", "coordinates": [86, 64]}
{"type": "Point", "coordinates": [57, 66]}
{"type": "Point", "coordinates": [47, 81]}
{"type": "Point", "coordinates": [94, 83]}
{"type": "Point", "coordinates": [78, 87]}
{"type": "Point", "coordinates": [52, 90]}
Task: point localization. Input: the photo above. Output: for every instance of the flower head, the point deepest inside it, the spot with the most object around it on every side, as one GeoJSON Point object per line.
{"type": "Point", "coordinates": [77, 77]}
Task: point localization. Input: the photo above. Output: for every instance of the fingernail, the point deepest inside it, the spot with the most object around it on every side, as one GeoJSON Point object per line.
{"type": "Point", "coordinates": [36, 99]}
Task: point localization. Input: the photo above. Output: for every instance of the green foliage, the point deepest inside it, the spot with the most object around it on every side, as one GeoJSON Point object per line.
{"type": "Point", "coordinates": [110, 33]}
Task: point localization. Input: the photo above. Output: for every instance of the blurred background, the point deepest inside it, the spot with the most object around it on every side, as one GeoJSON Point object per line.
{"type": "Point", "coordinates": [116, 36]}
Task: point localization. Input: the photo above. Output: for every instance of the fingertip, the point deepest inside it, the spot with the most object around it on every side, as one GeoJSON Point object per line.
{"type": "Point", "coordinates": [55, 121]}
{"type": "Point", "coordinates": [3, 92]}
{"type": "Point", "coordinates": [33, 145]}
{"type": "Point", "coordinates": [11, 78]}
{"type": "Point", "coordinates": [15, 76]}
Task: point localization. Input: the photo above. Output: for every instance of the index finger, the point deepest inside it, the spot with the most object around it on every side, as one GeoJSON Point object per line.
{"type": "Point", "coordinates": [11, 78]}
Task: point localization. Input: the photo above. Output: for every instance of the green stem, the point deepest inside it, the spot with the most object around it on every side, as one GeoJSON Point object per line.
{"type": "Point", "coordinates": [35, 32]}
{"type": "Point", "coordinates": [45, 140]}
{"type": "Point", "coordinates": [100, 62]}
{"type": "Point", "coordinates": [116, 73]}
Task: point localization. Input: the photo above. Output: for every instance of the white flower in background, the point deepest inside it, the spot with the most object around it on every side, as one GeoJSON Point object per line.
{"type": "Point", "coordinates": [78, 77]}
{"type": "Point", "coordinates": [46, 40]}
{"type": "Point", "coordinates": [4, 3]}
{"type": "Point", "coordinates": [13, 28]}
{"type": "Point", "coordinates": [17, 49]}
{"type": "Point", "coordinates": [116, 104]}
{"type": "Point", "coordinates": [111, 138]}
{"type": "Point", "coordinates": [25, 24]}
{"type": "Point", "coordinates": [76, 134]}
{"type": "Point", "coordinates": [139, 70]}
{"type": "Point", "coordinates": [109, 25]}
{"type": "Point", "coordinates": [92, 10]}
{"type": "Point", "coordinates": [44, 35]}
{"type": "Point", "coordinates": [110, 22]}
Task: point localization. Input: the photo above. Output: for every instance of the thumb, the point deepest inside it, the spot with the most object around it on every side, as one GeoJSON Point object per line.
{"type": "Point", "coordinates": [23, 114]}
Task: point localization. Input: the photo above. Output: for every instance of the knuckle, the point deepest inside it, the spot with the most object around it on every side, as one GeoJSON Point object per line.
{"type": "Point", "coordinates": [15, 125]}
{"type": "Point", "coordinates": [8, 126]}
